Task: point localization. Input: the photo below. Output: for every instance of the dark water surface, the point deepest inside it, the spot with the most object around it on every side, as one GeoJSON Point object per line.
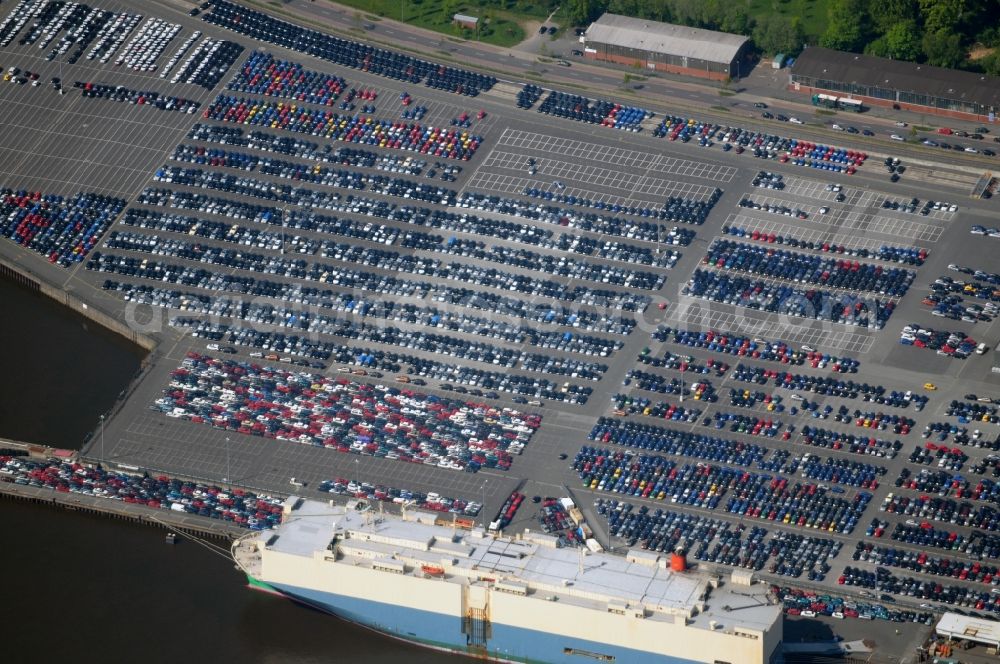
{"type": "Point", "coordinates": [79, 588]}
{"type": "Point", "coordinates": [61, 371]}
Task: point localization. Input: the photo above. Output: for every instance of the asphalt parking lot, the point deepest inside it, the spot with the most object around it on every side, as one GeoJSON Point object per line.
{"type": "Point", "coordinates": [551, 260]}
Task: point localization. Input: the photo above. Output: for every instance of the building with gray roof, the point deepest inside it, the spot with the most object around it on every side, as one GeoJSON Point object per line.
{"type": "Point", "coordinates": [676, 49]}
{"type": "Point", "coordinates": [896, 84]}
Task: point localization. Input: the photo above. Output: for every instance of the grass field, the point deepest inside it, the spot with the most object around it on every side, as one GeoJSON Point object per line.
{"type": "Point", "coordinates": [811, 14]}
{"type": "Point", "coordinates": [501, 22]}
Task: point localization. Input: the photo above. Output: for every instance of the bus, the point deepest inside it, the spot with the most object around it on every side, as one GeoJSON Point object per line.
{"type": "Point", "coordinates": [828, 101]}
{"type": "Point", "coordinates": [849, 104]}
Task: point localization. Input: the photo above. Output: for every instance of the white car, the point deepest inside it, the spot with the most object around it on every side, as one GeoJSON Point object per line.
{"type": "Point", "coordinates": [897, 137]}
{"type": "Point", "coordinates": [795, 120]}
{"type": "Point", "coordinates": [972, 149]}
{"type": "Point", "coordinates": [837, 127]}
{"type": "Point", "coordinates": [901, 124]}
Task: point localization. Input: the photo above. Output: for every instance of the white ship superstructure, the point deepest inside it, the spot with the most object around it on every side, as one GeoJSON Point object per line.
{"type": "Point", "coordinates": [519, 599]}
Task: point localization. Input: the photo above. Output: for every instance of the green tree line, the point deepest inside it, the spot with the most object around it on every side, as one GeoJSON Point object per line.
{"type": "Point", "coordinates": [938, 32]}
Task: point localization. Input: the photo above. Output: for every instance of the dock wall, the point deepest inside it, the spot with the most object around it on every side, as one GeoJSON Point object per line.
{"type": "Point", "coordinates": [28, 279]}
{"type": "Point", "coordinates": [115, 509]}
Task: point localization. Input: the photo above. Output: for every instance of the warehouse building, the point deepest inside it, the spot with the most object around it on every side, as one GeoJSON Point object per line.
{"type": "Point", "coordinates": [675, 49]}
{"type": "Point", "coordinates": [896, 84]}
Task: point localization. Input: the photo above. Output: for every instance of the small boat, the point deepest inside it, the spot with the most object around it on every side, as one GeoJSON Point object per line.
{"type": "Point", "coordinates": [432, 570]}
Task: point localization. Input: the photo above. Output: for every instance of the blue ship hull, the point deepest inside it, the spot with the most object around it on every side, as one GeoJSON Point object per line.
{"type": "Point", "coordinates": [444, 632]}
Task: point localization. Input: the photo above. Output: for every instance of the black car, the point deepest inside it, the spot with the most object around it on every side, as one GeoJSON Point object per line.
{"type": "Point", "coordinates": [542, 30]}
{"type": "Point", "coordinates": [988, 152]}
{"type": "Point", "coordinates": [552, 30]}
{"type": "Point", "coordinates": [766, 115]}
{"type": "Point", "coordinates": [867, 132]}
{"type": "Point", "coordinates": [759, 104]}
{"type": "Point", "coordinates": [852, 130]}
{"type": "Point", "coordinates": [781, 117]}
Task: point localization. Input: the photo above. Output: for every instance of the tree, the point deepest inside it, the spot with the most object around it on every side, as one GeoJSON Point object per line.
{"type": "Point", "coordinates": [951, 15]}
{"type": "Point", "coordinates": [735, 19]}
{"type": "Point", "coordinates": [582, 12]}
{"type": "Point", "coordinates": [943, 49]}
{"type": "Point", "coordinates": [846, 29]}
{"type": "Point", "coordinates": [775, 33]}
{"type": "Point", "coordinates": [991, 63]}
{"type": "Point", "coordinates": [900, 42]}
{"type": "Point", "coordinates": [887, 13]}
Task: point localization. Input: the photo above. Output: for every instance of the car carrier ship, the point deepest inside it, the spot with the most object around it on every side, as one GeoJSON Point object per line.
{"type": "Point", "coordinates": [507, 599]}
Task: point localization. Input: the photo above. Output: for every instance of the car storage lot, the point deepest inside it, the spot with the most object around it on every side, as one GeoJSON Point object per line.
{"type": "Point", "coordinates": [67, 143]}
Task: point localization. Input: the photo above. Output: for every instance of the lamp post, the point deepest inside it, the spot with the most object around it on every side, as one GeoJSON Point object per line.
{"type": "Point", "coordinates": [102, 439]}
{"type": "Point", "coordinates": [228, 473]}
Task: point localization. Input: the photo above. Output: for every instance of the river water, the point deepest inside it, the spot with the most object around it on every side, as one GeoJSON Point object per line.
{"type": "Point", "coordinates": [87, 589]}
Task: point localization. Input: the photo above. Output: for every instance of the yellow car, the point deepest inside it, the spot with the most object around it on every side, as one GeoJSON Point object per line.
{"type": "Point", "coordinates": [930, 387]}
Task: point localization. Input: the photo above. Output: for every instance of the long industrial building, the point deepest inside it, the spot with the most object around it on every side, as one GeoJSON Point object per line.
{"type": "Point", "coordinates": [665, 47]}
{"type": "Point", "coordinates": [896, 84]}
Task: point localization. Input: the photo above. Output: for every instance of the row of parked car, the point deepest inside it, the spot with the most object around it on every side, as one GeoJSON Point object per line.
{"type": "Point", "coordinates": [804, 505]}
{"type": "Point", "coordinates": [594, 111]}
{"type": "Point", "coordinates": [905, 255]}
{"type": "Point", "coordinates": [323, 299]}
{"type": "Point", "coordinates": [436, 344]}
{"type": "Point", "coordinates": [342, 414]}
{"type": "Point", "coordinates": [179, 53]}
{"type": "Point", "coordinates": [756, 348]}
{"type": "Point", "coordinates": [813, 303]}
{"type": "Point", "coordinates": [208, 63]}
{"type": "Point", "coordinates": [886, 582]}
{"type": "Point", "coordinates": [947, 433]}
{"type": "Point", "coordinates": [626, 404]}
{"type": "Point", "coordinates": [821, 385]}
{"type": "Point", "coordinates": [977, 544]}
{"type": "Point", "coordinates": [243, 508]}
{"type": "Point", "coordinates": [953, 344]}
{"type": "Point", "coordinates": [357, 55]}
{"type": "Point", "coordinates": [946, 284]}
{"type": "Point", "coordinates": [944, 483]}
{"type": "Point", "coordinates": [717, 540]}
{"type": "Point", "coordinates": [920, 561]}
{"type": "Point", "coordinates": [645, 380]}
{"type": "Point", "coordinates": [978, 409]}
{"type": "Point", "coordinates": [303, 149]}
{"type": "Point", "coordinates": [849, 442]}
{"type": "Point", "coordinates": [952, 458]}
{"type": "Point", "coordinates": [842, 471]}
{"type": "Point", "coordinates": [629, 433]}
{"type": "Point", "coordinates": [761, 144]}
{"type": "Point", "coordinates": [808, 269]}
{"type": "Point", "coordinates": [430, 501]}
{"type": "Point", "coordinates": [682, 363]}
{"type": "Point", "coordinates": [462, 272]}
{"type": "Point", "coordinates": [147, 44]}
{"type": "Point", "coordinates": [750, 425]}
{"type": "Point", "coordinates": [120, 93]}
{"type": "Point", "coordinates": [420, 367]}
{"type": "Point", "coordinates": [62, 229]}
{"type": "Point", "coordinates": [263, 74]}
{"type": "Point", "coordinates": [808, 604]}
{"type": "Point", "coordinates": [944, 510]}
{"type": "Point", "coordinates": [675, 208]}
{"type": "Point", "coordinates": [528, 95]}
{"type": "Point", "coordinates": [82, 24]}
{"type": "Point", "coordinates": [446, 143]}
{"type": "Point", "coordinates": [592, 221]}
